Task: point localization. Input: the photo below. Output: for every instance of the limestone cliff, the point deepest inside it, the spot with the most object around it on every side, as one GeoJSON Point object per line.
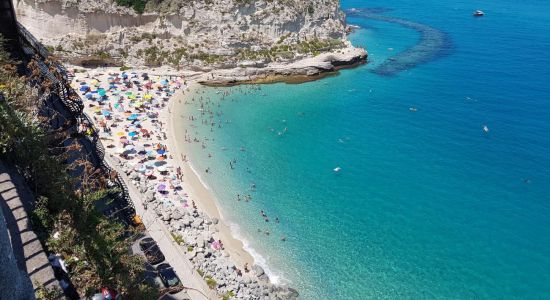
{"type": "Point", "coordinates": [182, 32]}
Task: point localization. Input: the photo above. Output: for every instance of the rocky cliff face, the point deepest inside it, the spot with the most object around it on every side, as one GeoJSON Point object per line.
{"type": "Point", "coordinates": [199, 32]}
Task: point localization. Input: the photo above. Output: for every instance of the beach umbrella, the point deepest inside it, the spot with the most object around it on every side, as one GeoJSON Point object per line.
{"type": "Point", "coordinates": [88, 96]}
{"type": "Point", "coordinates": [101, 92]}
{"type": "Point", "coordinates": [106, 113]}
{"type": "Point", "coordinates": [132, 134]}
{"type": "Point", "coordinates": [162, 169]}
{"type": "Point", "coordinates": [161, 187]}
{"type": "Point", "coordinates": [147, 96]}
{"type": "Point", "coordinates": [82, 83]}
{"type": "Point", "coordinates": [84, 88]}
{"type": "Point", "coordinates": [120, 133]}
{"type": "Point", "coordinates": [129, 147]}
{"type": "Point", "coordinates": [161, 151]}
{"type": "Point", "coordinates": [142, 169]}
{"type": "Point", "coordinates": [129, 93]}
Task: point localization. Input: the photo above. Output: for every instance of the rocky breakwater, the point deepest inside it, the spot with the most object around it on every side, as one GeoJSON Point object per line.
{"type": "Point", "coordinates": [194, 231]}
{"type": "Point", "coordinates": [299, 71]}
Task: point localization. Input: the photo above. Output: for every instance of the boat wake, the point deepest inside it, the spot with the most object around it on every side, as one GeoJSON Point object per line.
{"type": "Point", "coordinates": [433, 43]}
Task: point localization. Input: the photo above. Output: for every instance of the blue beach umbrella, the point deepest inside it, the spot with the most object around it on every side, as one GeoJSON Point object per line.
{"type": "Point", "coordinates": [132, 134]}
{"type": "Point", "coordinates": [106, 113]}
{"type": "Point", "coordinates": [101, 92]}
{"type": "Point", "coordinates": [161, 151]}
{"type": "Point", "coordinates": [133, 117]}
{"type": "Point", "coordinates": [84, 88]}
{"type": "Point", "coordinates": [88, 96]}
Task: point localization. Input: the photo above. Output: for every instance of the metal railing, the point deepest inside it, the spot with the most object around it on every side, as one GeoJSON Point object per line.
{"type": "Point", "coordinates": [72, 102]}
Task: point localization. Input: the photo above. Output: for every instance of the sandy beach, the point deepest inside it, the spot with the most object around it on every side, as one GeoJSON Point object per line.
{"type": "Point", "coordinates": [136, 115]}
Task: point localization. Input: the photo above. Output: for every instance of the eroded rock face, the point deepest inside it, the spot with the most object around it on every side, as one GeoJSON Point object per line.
{"type": "Point", "coordinates": [186, 30]}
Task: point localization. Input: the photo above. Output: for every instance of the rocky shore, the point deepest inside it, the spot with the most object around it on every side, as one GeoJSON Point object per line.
{"type": "Point", "coordinates": [296, 72]}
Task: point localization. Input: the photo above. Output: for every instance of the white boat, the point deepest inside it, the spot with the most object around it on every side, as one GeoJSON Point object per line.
{"type": "Point", "coordinates": [478, 13]}
{"type": "Point", "coordinates": [485, 128]}
{"type": "Point", "coordinates": [337, 169]}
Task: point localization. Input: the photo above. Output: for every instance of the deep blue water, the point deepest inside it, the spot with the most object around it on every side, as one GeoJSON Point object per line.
{"type": "Point", "coordinates": [427, 205]}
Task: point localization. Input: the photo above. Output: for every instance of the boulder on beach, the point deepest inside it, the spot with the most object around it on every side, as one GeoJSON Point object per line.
{"type": "Point", "coordinates": [258, 270]}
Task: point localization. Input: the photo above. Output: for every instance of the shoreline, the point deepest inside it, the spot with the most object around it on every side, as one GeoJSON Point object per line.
{"type": "Point", "coordinates": [229, 231]}
{"type": "Point", "coordinates": [196, 187]}
{"type": "Point", "coordinates": [202, 226]}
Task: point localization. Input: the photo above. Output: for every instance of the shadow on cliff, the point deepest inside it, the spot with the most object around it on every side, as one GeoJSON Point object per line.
{"type": "Point", "coordinates": [433, 43]}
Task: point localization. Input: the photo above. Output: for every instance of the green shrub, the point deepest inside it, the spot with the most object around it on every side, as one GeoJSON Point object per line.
{"type": "Point", "coordinates": [177, 238]}
{"type": "Point", "coordinates": [210, 282]}
{"type": "Point", "coordinates": [137, 5]}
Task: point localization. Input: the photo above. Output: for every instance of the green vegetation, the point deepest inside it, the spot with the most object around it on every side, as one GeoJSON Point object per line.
{"type": "Point", "coordinates": [310, 9]}
{"type": "Point", "coordinates": [201, 272]}
{"type": "Point", "coordinates": [95, 248]}
{"type": "Point", "coordinates": [137, 5]}
{"type": "Point", "coordinates": [45, 293]}
{"type": "Point", "coordinates": [102, 55]}
{"type": "Point", "coordinates": [190, 248]}
{"type": "Point", "coordinates": [228, 295]}
{"type": "Point", "coordinates": [210, 282]}
{"type": "Point", "coordinates": [177, 238]}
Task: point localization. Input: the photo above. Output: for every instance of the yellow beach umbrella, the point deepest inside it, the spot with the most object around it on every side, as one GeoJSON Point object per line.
{"type": "Point", "coordinates": [147, 96]}
{"type": "Point", "coordinates": [120, 133]}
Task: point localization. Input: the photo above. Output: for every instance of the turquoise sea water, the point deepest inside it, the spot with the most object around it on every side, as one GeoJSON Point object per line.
{"type": "Point", "coordinates": [426, 205]}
